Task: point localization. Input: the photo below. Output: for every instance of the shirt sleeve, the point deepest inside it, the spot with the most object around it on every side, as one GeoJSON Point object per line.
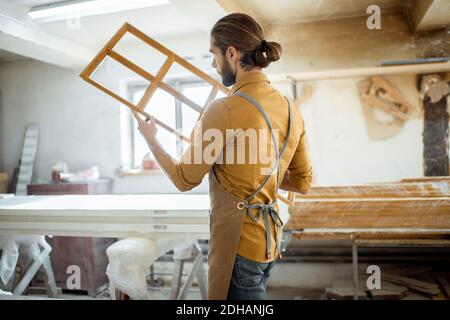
{"type": "Point", "coordinates": [300, 169]}
{"type": "Point", "coordinates": [206, 145]}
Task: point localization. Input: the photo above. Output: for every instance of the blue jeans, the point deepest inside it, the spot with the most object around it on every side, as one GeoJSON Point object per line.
{"type": "Point", "coordinates": [249, 278]}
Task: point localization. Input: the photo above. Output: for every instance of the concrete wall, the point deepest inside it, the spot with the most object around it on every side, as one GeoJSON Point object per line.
{"type": "Point", "coordinates": [81, 126]}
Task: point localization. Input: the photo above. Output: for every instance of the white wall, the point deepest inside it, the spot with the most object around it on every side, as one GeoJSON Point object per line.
{"type": "Point", "coordinates": [81, 126]}
{"type": "Point", "coordinates": [340, 148]}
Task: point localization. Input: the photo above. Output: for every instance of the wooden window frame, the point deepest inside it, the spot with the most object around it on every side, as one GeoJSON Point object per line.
{"type": "Point", "coordinates": [155, 81]}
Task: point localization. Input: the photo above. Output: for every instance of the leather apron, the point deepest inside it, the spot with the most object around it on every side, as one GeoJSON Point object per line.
{"type": "Point", "coordinates": [227, 215]}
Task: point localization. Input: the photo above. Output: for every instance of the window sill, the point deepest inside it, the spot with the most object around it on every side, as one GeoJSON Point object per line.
{"type": "Point", "coordinates": [139, 172]}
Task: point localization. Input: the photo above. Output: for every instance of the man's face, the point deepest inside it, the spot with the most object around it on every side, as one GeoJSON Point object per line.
{"type": "Point", "coordinates": [222, 65]}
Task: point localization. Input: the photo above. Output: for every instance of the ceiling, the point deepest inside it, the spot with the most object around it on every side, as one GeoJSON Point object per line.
{"type": "Point", "coordinates": [282, 11]}
{"type": "Point", "coordinates": [33, 3]}
{"type": "Point", "coordinates": [177, 21]}
{"type": "Point", "coordinates": [94, 31]}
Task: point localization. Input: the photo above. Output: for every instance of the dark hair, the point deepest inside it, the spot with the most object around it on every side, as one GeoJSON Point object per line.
{"type": "Point", "coordinates": [242, 32]}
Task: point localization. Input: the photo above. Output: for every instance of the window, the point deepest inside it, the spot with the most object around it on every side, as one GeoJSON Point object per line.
{"type": "Point", "coordinates": [172, 112]}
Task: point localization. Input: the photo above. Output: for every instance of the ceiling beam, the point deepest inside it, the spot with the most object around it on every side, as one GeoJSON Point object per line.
{"type": "Point", "coordinates": [29, 41]}
{"type": "Point", "coordinates": [430, 15]}
{"type": "Point", "coordinates": [364, 72]}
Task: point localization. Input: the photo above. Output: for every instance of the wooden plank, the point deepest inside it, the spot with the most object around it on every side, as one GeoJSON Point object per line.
{"type": "Point", "coordinates": [417, 285]}
{"type": "Point", "coordinates": [427, 179]}
{"type": "Point", "coordinates": [387, 294]}
{"type": "Point", "coordinates": [444, 285]}
{"type": "Point", "coordinates": [387, 233]}
{"type": "Point", "coordinates": [344, 293]}
{"type": "Point", "coordinates": [365, 72]}
{"type": "Point", "coordinates": [412, 271]}
{"type": "Point", "coordinates": [415, 213]}
{"type": "Point", "coordinates": [347, 206]}
{"type": "Point", "coordinates": [391, 190]}
{"type": "Point", "coordinates": [404, 242]}
{"type": "Point", "coordinates": [367, 221]}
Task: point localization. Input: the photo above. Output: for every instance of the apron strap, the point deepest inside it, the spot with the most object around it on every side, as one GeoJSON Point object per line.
{"type": "Point", "coordinates": [279, 154]}
{"type": "Point", "coordinates": [268, 209]}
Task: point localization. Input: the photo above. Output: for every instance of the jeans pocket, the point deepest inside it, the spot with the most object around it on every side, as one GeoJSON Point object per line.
{"type": "Point", "coordinates": [250, 281]}
{"type": "Point", "coordinates": [249, 274]}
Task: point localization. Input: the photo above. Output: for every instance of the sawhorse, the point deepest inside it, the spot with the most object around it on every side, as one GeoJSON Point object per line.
{"type": "Point", "coordinates": [179, 293]}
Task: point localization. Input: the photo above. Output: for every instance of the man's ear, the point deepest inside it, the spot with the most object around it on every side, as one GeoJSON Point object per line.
{"type": "Point", "coordinates": [232, 54]}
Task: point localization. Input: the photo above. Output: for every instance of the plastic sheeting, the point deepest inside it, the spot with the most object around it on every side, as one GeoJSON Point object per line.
{"type": "Point", "coordinates": [5, 292]}
{"type": "Point", "coordinates": [29, 246]}
{"type": "Point", "coordinates": [130, 260]}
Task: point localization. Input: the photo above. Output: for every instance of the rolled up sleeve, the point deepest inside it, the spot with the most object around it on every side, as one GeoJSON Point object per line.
{"type": "Point", "coordinates": [204, 148]}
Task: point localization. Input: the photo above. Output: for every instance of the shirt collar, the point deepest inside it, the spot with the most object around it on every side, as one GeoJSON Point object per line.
{"type": "Point", "coordinates": [247, 79]}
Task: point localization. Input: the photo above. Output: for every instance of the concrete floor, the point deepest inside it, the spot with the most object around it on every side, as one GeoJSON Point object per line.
{"type": "Point", "coordinates": [292, 279]}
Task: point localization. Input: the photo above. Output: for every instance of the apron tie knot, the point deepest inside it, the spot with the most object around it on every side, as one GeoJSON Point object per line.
{"type": "Point", "coordinates": [266, 210]}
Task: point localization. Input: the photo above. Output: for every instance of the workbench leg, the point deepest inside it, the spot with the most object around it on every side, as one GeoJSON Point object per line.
{"type": "Point", "coordinates": [355, 271]}
{"type": "Point", "coordinates": [49, 278]}
{"type": "Point", "coordinates": [25, 281]}
{"type": "Point", "coordinates": [195, 271]}
{"type": "Point", "coordinates": [176, 280]}
{"type": "Point", "coordinates": [202, 281]}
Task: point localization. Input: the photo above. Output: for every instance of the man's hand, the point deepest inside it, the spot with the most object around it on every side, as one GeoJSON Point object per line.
{"type": "Point", "coordinates": [147, 129]}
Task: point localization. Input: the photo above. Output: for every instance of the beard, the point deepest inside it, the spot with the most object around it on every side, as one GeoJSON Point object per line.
{"type": "Point", "coordinates": [228, 77]}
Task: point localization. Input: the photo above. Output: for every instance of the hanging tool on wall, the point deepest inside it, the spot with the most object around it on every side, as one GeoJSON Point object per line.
{"type": "Point", "coordinates": [378, 93]}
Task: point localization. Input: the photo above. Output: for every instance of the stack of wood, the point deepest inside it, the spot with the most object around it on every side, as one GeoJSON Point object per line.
{"type": "Point", "coordinates": [396, 285]}
{"type": "Point", "coordinates": [411, 212]}
{"type": "Point", "coordinates": [415, 207]}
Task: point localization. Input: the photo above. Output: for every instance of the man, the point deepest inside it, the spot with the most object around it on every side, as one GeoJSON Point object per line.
{"type": "Point", "coordinates": [244, 224]}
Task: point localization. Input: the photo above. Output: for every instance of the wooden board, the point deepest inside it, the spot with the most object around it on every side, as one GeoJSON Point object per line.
{"type": "Point", "coordinates": [427, 179]}
{"type": "Point", "coordinates": [387, 294]}
{"type": "Point", "coordinates": [370, 213]}
{"type": "Point", "coordinates": [344, 293]}
{"type": "Point", "coordinates": [392, 190]}
{"type": "Point", "coordinates": [417, 285]}
{"type": "Point", "coordinates": [413, 205]}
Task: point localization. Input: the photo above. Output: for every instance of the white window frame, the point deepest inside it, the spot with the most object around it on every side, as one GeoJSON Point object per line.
{"type": "Point", "coordinates": [128, 156]}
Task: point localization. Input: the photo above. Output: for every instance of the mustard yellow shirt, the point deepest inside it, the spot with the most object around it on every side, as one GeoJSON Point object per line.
{"type": "Point", "coordinates": [241, 179]}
